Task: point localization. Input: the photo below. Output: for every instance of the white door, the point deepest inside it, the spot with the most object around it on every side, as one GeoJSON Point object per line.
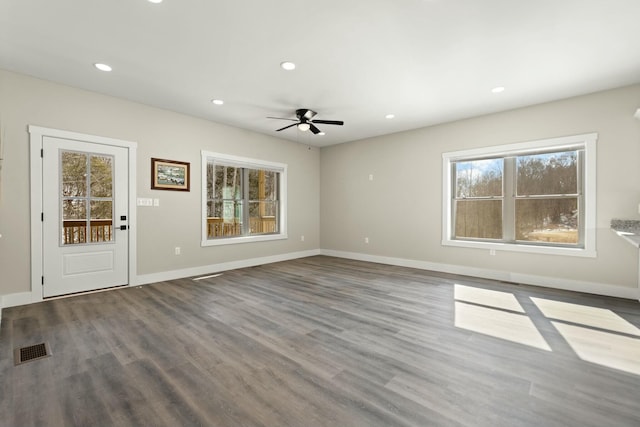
{"type": "Point", "coordinates": [85, 216]}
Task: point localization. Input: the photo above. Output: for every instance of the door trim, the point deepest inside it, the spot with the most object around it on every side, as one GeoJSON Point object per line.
{"type": "Point", "coordinates": [36, 137]}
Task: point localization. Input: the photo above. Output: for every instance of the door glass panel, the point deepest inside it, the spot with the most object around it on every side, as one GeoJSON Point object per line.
{"type": "Point", "coordinates": [74, 174]}
{"type": "Point", "coordinates": [101, 176]}
{"type": "Point", "coordinates": [74, 221]}
{"type": "Point", "coordinates": [101, 221]}
{"type": "Point", "coordinates": [86, 196]}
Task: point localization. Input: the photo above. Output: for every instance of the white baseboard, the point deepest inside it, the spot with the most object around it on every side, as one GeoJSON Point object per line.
{"type": "Point", "coordinates": [146, 279]}
{"type": "Point", "coordinates": [506, 276]}
{"type": "Point", "coordinates": [20, 298]}
{"type": "Point", "coordinates": [12, 300]}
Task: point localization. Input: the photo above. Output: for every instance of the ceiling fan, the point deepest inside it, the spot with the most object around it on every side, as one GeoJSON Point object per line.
{"type": "Point", "coordinates": [306, 122]}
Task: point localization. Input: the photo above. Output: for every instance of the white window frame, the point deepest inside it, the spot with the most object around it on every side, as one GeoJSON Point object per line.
{"type": "Point", "coordinates": [243, 162]}
{"type": "Point", "coordinates": [587, 142]}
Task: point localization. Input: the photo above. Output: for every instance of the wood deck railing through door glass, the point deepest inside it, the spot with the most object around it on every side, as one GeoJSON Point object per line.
{"type": "Point", "coordinates": [75, 231]}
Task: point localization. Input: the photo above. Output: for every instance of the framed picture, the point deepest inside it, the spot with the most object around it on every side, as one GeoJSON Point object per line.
{"type": "Point", "coordinates": [169, 175]}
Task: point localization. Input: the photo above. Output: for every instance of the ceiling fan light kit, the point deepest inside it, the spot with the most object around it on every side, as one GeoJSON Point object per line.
{"type": "Point", "coordinates": [305, 121]}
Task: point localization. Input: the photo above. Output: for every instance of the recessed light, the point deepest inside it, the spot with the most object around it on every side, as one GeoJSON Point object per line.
{"type": "Point", "coordinates": [286, 65]}
{"type": "Point", "coordinates": [155, 1]}
{"type": "Point", "coordinates": [217, 101]}
{"type": "Point", "coordinates": [102, 67]}
{"type": "Point", "coordinates": [389, 116]}
{"type": "Point", "coordinates": [321, 133]}
{"type": "Point", "coordinates": [497, 89]}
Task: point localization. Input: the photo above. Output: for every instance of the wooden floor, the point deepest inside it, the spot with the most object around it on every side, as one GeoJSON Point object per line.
{"type": "Point", "coordinates": [325, 342]}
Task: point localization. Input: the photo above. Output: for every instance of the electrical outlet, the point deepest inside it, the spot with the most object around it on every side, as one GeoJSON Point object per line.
{"type": "Point", "coordinates": [156, 202]}
{"type": "Point", "coordinates": [370, 177]}
{"type": "Point", "coordinates": [366, 240]}
{"type": "Point", "coordinates": [302, 238]}
{"type": "Point", "coordinates": [492, 252]}
{"type": "Point", "coordinates": [177, 250]}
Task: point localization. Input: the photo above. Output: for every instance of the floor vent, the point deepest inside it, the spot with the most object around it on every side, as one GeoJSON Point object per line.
{"type": "Point", "coordinates": [32, 352]}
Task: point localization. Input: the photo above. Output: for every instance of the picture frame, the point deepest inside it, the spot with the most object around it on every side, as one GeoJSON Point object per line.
{"type": "Point", "coordinates": [170, 175]}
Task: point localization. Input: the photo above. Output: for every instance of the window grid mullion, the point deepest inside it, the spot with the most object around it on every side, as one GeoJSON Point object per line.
{"type": "Point", "coordinates": [509, 204]}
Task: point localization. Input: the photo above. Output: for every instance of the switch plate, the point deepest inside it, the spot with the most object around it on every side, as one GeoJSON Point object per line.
{"type": "Point", "coordinates": [141, 201]}
{"type": "Point", "coordinates": [156, 202]}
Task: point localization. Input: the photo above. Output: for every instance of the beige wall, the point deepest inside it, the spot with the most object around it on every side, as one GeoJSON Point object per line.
{"type": "Point", "coordinates": [159, 133]}
{"type": "Point", "coordinates": [401, 213]}
{"type": "Point", "coordinates": [329, 190]}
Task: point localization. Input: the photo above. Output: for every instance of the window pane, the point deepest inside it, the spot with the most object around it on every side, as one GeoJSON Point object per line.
{"type": "Point", "coordinates": [101, 176]}
{"type": "Point", "coordinates": [263, 217]}
{"type": "Point", "coordinates": [224, 218]}
{"type": "Point", "coordinates": [263, 185]}
{"type": "Point", "coordinates": [478, 219]}
{"type": "Point", "coordinates": [479, 178]}
{"type": "Point", "coordinates": [228, 182]}
{"type": "Point", "coordinates": [547, 220]}
{"type": "Point", "coordinates": [551, 173]}
{"type": "Point", "coordinates": [74, 174]}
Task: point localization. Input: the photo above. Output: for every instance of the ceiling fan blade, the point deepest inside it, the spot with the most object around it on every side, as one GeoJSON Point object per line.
{"type": "Point", "coordinates": [286, 127]}
{"type": "Point", "coordinates": [313, 129]}
{"type": "Point", "coordinates": [329, 122]}
{"type": "Point", "coordinates": [282, 118]}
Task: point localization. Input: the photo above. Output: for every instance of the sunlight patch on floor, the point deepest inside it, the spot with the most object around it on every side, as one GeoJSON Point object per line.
{"type": "Point", "coordinates": [604, 348]}
{"type": "Point", "coordinates": [584, 315]}
{"type": "Point", "coordinates": [488, 297]}
{"type": "Point", "coordinates": [499, 324]}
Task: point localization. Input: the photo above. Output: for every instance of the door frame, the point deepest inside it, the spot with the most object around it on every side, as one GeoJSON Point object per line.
{"type": "Point", "coordinates": [36, 145]}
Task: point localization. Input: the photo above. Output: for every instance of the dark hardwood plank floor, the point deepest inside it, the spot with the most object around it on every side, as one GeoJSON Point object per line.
{"type": "Point", "coordinates": [322, 341]}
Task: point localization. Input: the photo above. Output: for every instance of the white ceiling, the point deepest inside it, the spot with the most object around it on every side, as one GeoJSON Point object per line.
{"type": "Point", "coordinates": [426, 61]}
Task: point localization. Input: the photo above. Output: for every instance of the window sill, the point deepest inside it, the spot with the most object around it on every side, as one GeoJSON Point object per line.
{"type": "Point", "coordinates": [243, 239]}
{"type": "Point", "coordinates": [512, 247]}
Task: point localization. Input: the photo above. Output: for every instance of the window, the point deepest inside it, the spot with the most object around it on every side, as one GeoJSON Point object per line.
{"type": "Point", "coordinates": [244, 200]}
{"type": "Point", "coordinates": [536, 196]}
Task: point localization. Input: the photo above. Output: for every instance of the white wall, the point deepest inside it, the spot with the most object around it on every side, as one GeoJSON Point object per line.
{"type": "Point", "coordinates": [400, 210]}
{"type": "Point", "coordinates": [159, 133]}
